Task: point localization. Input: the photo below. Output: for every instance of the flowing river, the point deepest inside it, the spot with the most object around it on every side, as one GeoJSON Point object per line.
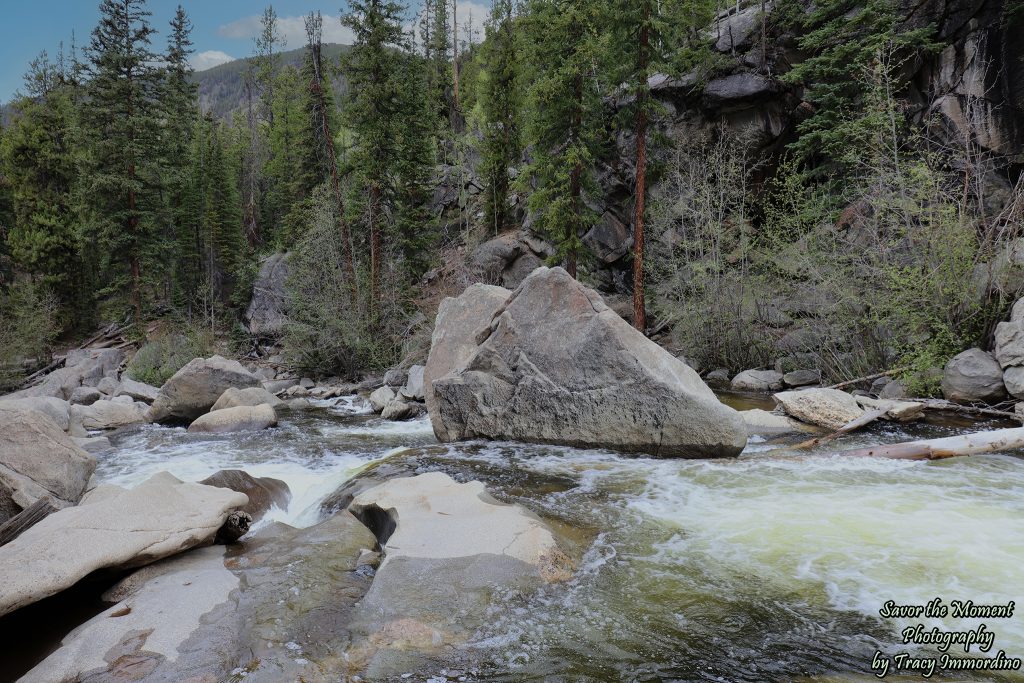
{"type": "Point", "coordinates": [762, 568]}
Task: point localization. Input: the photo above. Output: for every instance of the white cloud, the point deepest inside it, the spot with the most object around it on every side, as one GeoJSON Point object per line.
{"type": "Point", "coordinates": [293, 30]}
{"type": "Point", "coordinates": [209, 59]}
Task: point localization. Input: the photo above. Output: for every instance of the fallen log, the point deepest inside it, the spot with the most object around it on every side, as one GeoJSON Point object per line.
{"type": "Point", "coordinates": [24, 520]}
{"type": "Point", "coordinates": [948, 447]}
{"type": "Point", "coordinates": [235, 526]}
{"type": "Point", "coordinates": [853, 425]}
{"type": "Point", "coordinates": [949, 406]}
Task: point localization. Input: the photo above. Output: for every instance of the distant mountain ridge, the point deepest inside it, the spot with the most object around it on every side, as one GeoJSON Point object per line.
{"type": "Point", "coordinates": [222, 88]}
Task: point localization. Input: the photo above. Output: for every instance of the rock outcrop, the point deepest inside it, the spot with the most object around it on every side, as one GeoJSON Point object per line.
{"type": "Point", "coordinates": [37, 460]}
{"type": "Point", "coordinates": [263, 492]}
{"type": "Point", "coordinates": [106, 415]}
{"type": "Point", "coordinates": [973, 376]}
{"type": "Point", "coordinates": [193, 389]}
{"type": "Point", "coordinates": [555, 365]}
{"type": "Point", "coordinates": [237, 419]}
{"type": "Point", "coordinates": [429, 527]}
{"type": "Point", "coordinates": [268, 308]}
{"type": "Point", "coordinates": [278, 609]}
{"type": "Point", "coordinates": [82, 367]}
{"type": "Point", "coordinates": [111, 529]}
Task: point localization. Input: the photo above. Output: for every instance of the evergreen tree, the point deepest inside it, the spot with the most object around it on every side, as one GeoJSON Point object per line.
{"type": "Point", "coordinates": [841, 39]}
{"type": "Point", "coordinates": [268, 61]}
{"type": "Point", "coordinates": [564, 122]}
{"type": "Point", "coordinates": [180, 101]}
{"type": "Point", "coordinates": [501, 144]}
{"type": "Point", "coordinates": [289, 180]}
{"type": "Point", "coordinates": [439, 50]}
{"type": "Point", "coordinates": [321, 108]}
{"type": "Point", "coordinates": [122, 120]}
{"type": "Point", "coordinates": [39, 164]}
{"type": "Point", "coordinates": [374, 112]}
{"type": "Point", "coordinates": [647, 36]}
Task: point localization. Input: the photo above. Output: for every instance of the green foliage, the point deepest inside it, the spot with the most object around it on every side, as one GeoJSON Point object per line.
{"type": "Point", "coordinates": [28, 326]}
{"type": "Point", "coordinates": [40, 157]}
{"type": "Point", "coordinates": [844, 40]}
{"type": "Point", "coordinates": [157, 360]}
{"type": "Point", "coordinates": [564, 123]}
{"type": "Point", "coordinates": [500, 105]}
{"type": "Point", "coordinates": [328, 333]}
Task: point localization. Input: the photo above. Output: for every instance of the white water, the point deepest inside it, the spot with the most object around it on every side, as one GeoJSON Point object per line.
{"type": "Point", "coordinates": [750, 569]}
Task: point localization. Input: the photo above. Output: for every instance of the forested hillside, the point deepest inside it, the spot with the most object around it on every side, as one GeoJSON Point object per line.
{"type": "Point", "coordinates": [831, 186]}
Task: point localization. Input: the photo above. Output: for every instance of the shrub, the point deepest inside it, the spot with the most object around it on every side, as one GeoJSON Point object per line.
{"type": "Point", "coordinates": [156, 361]}
{"type": "Point", "coordinates": [28, 327]}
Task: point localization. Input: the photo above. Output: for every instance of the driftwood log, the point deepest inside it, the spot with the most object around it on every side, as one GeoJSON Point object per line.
{"type": "Point", "coordinates": [949, 447]}
{"type": "Point", "coordinates": [235, 526]}
{"type": "Point", "coordinates": [851, 426]}
{"type": "Point", "coordinates": [24, 520]}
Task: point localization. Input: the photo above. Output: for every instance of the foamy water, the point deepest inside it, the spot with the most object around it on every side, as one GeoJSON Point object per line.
{"type": "Point", "coordinates": [754, 569]}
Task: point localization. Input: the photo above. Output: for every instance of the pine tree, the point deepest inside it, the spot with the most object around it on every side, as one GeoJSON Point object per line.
{"type": "Point", "coordinates": [121, 116]}
{"type": "Point", "coordinates": [39, 166]}
{"type": "Point", "coordinates": [647, 36]}
{"type": "Point", "coordinates": [564, 124]}
{"type": "Point", "coordinates": [374, 110]}
{"type": "Point", "coordinates": [439, 64]}
{"type": "Point", "coordinates": [289, 180]}
{"type": "Point", "coordinates": [501, 145]}
{"type": "Point", "coordinates": [841, 38]}
{"type": "Point", "coordinates": [321, 108]}
{"type": "Point", "coordinates": [180, 102]}
{"type": "Point", "coordinates": [268, 61]}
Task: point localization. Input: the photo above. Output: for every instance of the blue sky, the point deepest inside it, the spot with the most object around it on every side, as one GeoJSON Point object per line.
{"type": "Point", "coordinates": [223, 29]}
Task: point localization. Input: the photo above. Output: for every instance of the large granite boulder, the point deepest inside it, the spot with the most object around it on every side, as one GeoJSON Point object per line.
{"type": "Point", "coordinates": [277, 609]}
{"type": "Point", "coordinates": [37, 460]}
{"type": "Point", "coordinates": [114, 528]}
{"type": "Point", "coordinates": [139, 391]}
{"type": "Point", "coordinates": [450, 553]}
{"type": "Point", "coordinates": [56, 409]}
{"type": "Point", "coordinates": [82, 367]}
{"type": "Point", "coordinates": [237, 419]}
{"type": "Point", "coordinates": [414, 384]}
{"type": "Point", "coordinates": [268, 308]}
{"type": "Point", "coordinates": [196, 387]}
{"type": "Point", "coordinates": [973, 376]}
{"type": "Point", "coordinates": [253, 396]}
{"type": "Point", "coordinates": [1009, 338]}
{"type": "Point", "coordinates": [263, 492]}
{"type": "Point", "coordinates": [107, 415]}
{"type": "Point", "coordinates": [829, 408]}
{"type": "Point", "coordinates": [757, 380]}
{"type": "Point", "coordinates": [554, 364]}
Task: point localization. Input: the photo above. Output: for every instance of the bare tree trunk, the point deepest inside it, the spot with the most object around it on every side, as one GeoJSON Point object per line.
{"type": "Point", "coordinates": [313, 32]}
{"type": "Point", "coordinates": [455, 51]}
{"type": "Point", "coordinates": [252, 228]}
{"type": "Point", "coordinates": [375, 245]}
{"type": "Point", "coordinates": [575, 180]}
{"type": "Point", "coordinates": [949, 447]}
{"type": "Point", "coordinates": [639, 307]}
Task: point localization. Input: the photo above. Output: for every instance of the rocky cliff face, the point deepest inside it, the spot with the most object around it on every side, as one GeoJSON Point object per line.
{"type": "Point", "coordinates": [970, 91]}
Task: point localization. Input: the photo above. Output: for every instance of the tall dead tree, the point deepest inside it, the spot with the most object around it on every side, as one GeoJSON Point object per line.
{"type": "Point", "coordinates": [325, 141]}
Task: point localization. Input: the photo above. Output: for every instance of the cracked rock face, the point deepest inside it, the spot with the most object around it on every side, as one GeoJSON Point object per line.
{"type": "Point", "coordinates": [112, 529]}
{"type": "Point", "coordinates": [38, 460]}
{"type": "Point", "coordinates": [555, 365]}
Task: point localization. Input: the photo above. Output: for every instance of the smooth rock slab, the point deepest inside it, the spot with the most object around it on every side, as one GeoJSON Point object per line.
{"type": "Point", "coordinates": [766, 423]}
{"type": "Point", "coordinates": [139, 391]}
{"type": "Point", "coordinates": [159, 517]}
{"type": "Point", "coordinates": [56, 409]}
{"type": "Point", "coordinates": [556, 365]}
{"type": "Point", "coordinates": [829, 408]}
{"type": "Point", "coordinates": [277, 606]}
{"type": "Point", "coordinates": [450, 550]}
{"type": "Point", "coordinates": [37, 459]}
{"type": "Point", "coordinates": [238, 419]}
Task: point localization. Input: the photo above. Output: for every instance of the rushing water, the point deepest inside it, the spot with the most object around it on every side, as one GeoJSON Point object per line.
{"type": "Point", "coordinates": [762, 568]}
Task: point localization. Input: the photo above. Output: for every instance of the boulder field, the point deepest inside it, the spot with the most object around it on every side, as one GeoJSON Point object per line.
{"type": "Point", "coordinates": [551, 363]}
